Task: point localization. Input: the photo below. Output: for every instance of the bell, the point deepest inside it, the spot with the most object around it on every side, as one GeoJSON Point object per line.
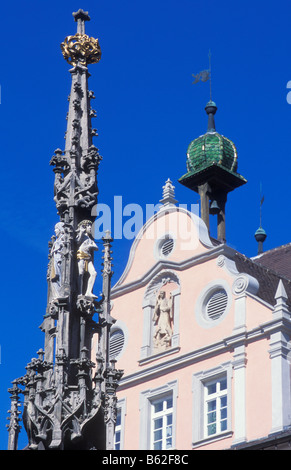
{"type": "Point", "coordinates": [214, 208]}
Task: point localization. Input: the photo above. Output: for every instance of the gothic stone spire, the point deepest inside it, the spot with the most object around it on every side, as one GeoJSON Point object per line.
{"type": "Point", "coordinates": [66, 404]}
{"type": "Point", "coordinates": [76, 167]}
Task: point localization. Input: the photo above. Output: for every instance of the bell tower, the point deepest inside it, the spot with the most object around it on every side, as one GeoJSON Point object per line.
{"type": "Point", "coordinates": [70, 395]}
{"type": "Point", "coordinates": [212, 171]}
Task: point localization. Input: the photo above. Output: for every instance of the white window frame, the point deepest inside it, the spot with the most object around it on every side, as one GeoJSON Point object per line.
{"type": "Point", "coordinates": [216, 398]}
{"type": "Point", "coordinates": [118, 428]}
{"type": "Point", "coordinates": [147, 398]}
{"type": "Point", "coordinates": [162, 415]}
{"type": "Point", "coordinates": [199, 424]}
{"type": "Point", "coordinates": [121, 407]}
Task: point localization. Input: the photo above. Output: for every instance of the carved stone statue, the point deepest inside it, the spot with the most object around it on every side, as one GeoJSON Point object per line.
{"type": "Point", "coordinates": [162, 318]}
{"type": "Point", "coordinates": [87, 246]}
{"type": "Point", "coordinates": [56, 253]}
{"type": "Point", "coordinates": [86, 192]}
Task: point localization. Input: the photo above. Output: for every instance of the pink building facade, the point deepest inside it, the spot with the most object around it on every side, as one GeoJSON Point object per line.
{"type": "Point", "coordinates": [203, 336]}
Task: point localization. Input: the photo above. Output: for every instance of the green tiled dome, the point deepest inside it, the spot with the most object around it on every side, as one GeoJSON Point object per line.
{"type": "Point", "coordinates": [211, 148]}
{"type": "Point", "coordinates": [212, 158]}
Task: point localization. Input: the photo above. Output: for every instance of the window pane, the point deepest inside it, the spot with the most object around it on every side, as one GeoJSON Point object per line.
{"type": "Point", "coordinates": [118, 418]}
{"type": "Point", "coordinates": [211, 388]}
{"type": "Point", "coordinates": [117, 437]}
{"type": "Point", "coordinates": [211, 405]}
{"type": "Point", "coordinates": [223, 402]}
{"type": "Point", "coordinates": [169, 443]}
{"type": "Point", "coordinates": [169, 403]}
{"type": "Point", "coordinates": [223, 384]}
{"type": "Point", "coordinates": [158, 445]}
{"type": "Point", "coordinates": [223, 425]}
{"type": "Point", "coordinates": [211, 429]}
{"type": "Point", "coordinates": [158, 435]}
{"type": "Point", "coordinates": [211, 418]}
{"type": "Point", "coordinates": [158, 423]}
{"type": "Point", "coordinates": [169, 419]}
{"type": "Point", "coordinates": [223, 413]}
{"type": "Point", "coordinates": [158, 406]}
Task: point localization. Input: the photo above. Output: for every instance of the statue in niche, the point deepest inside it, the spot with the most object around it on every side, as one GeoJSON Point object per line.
{"type": "Point", "coordinates": [163, 318]}
{"type": "Point", "coordinates": [85, 256]}
{"type": "Point", "coordinates": [57, 255]}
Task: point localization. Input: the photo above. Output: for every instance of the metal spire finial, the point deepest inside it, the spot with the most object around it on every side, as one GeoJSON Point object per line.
{"type": "Point", "coordinates": [210, 87]}
{"type": "Point", "coordinates": [260, 234]}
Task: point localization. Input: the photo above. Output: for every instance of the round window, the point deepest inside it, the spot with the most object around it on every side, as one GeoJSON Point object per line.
{"type": "Point", "coordinates": [216, 304]}
{"type": "Point", "coordinates": [167, 246]}
{"type": "Point", "coordinates": [116, 343]}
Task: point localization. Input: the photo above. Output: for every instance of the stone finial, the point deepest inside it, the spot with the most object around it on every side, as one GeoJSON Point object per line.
{"type": "Point", "coordinates": [80, 17]}
{"type": "Point", "coordinates": [281, 298]}
{"type": "Point", "coordinates": [81, 14]}
{"type": "Point", "coordinates": [281, 292]}
{"type": "Point", "coordinates": [168, 193]}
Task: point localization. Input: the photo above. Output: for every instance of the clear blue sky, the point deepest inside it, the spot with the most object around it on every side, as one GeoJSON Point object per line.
{"type": "Point", "coordinates": [148, 111]}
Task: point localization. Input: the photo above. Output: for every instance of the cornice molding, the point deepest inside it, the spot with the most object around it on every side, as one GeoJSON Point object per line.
{"type": "Point", "coordinates": [225, 345]}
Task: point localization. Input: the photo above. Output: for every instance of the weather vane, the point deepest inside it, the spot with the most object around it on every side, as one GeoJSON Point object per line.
{"type": "Point", "coordinates": [204, 76]}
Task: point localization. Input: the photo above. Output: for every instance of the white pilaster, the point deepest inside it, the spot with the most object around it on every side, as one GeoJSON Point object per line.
{"type": "Point", "coordinates": [239, 386]}
{"type": "Point", "coordinates": [280, 365]}
{"type": "Point", "coordinates": [146, 333]}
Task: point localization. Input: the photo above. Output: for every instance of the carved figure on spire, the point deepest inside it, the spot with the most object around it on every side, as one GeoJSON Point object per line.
{"type": "Point", "coordinates": [87, 246]}
{"type": "Point", "coordinates": [57, 253]}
